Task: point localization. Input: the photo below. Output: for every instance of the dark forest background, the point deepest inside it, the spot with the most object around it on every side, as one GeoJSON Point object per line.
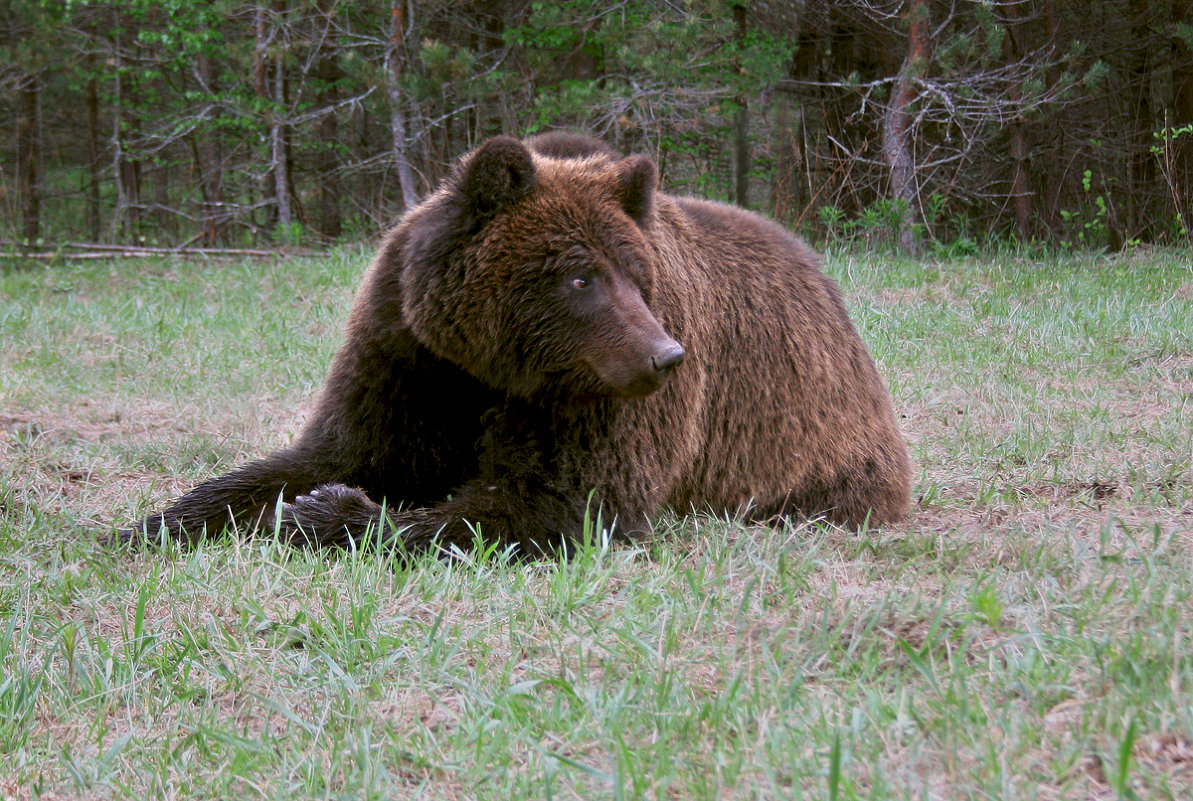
{"type": "Point", "coordinates": [906, 122]}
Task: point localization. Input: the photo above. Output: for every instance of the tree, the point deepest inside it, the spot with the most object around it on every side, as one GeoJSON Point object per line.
{"type": "Point", "coordinates": [328, 75]}
{"type": "Point", "coordinates": [898, 120]}
{"type": "Point", "coordinates": [395, 59]}
{"type": "Point", "coordinates": [741, 122]}
{"type": "Point", "coordinates": [231, 121]}
{"type": "Point", "coordinates": [22, 72]}
{"type": "Point", "coordinates": [29, 156]}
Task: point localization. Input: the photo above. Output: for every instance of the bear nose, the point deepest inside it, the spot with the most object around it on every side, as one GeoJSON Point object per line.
{"type": "Point", "coordinates": [668, 359]}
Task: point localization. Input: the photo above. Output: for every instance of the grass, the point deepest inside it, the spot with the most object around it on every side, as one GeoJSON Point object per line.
{"type": "Point", "coordinates": [1026, 635]}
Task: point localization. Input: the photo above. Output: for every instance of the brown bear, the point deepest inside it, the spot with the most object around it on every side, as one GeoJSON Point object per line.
{"type": "Point", "coordinates": [548, 335]}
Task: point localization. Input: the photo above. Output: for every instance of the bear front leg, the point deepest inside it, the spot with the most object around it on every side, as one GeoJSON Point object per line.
{"type": "Point", "coordinates": [237, 499]}
{"type": "Point", "coordinates": [339, 516]}
{"type": "Point", "coordinates": [538, 525]}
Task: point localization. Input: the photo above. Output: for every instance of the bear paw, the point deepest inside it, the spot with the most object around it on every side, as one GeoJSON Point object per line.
{"type": "Point", "coordinates": [330, 514]}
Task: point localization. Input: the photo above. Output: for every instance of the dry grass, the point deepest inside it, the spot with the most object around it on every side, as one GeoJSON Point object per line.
{"type": "Point", "coordinates": [1025, 635]}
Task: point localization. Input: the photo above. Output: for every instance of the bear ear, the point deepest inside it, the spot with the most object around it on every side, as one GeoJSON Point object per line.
{"type": "Point", "coordinates": [498, 173]}
{"type": "Point", "coordinates": [639, 179]}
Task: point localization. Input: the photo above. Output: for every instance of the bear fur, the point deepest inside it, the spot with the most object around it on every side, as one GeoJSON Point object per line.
{"type": "Point", "coordinates": [548, 334]}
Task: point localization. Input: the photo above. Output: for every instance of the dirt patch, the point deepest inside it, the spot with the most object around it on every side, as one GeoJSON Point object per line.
{"type": "Point", "coordinates": [91, 422]}
{"type": "Point", "coordinates": [1167, 753]}
{"type": "Point", "coordinates": [935, 295]}
{"type": "Point", "coordinates": [896, 297]}
{"type": "Point", "coordinates": [1073, 490]}
{"type": "Point", "coordinates": [79, 461]}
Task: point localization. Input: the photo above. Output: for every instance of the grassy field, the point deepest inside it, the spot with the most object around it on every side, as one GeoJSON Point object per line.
{"type": "Point", "coordinates": [1028, 634]}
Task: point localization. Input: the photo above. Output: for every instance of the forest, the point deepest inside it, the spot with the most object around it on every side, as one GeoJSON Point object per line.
{"type": "Point", "coordinates": [901, 123]}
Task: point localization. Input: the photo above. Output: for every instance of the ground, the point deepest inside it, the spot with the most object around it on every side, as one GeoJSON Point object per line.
{"type": "Point", "coordinates": [1024, 635]}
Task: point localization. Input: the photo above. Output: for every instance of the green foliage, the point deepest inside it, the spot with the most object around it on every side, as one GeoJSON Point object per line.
{"type": "Point", "coordinates": [289, 235]}
{"type": "Point", "coordinates": [761, 59]}
{"type": "Point", "coordinates": [188, 92]}
{"type": "Point", "coordinates": [1087, 225]}
{"type": "Point", "coordinates": [995, 33]}
{"type": "Point", "coordinates": [1122, 770]}
{"type": "Point", "coordinates": [182, 30]}
{"type": "Point", "coordinates": [948, 234]}
{"type": "Point", "coordinates": [1096, 76]}
{"type": "Point", "coordinates": [1169, 135]}
{"type": "Point", "coordinates": [656, 74]}
{"type": "Point", "coordinates": [954, 52]}
{"type": "Point", "coordinates": [1169, 140]}
{"type": "Point", "coordinates": [876, 227]}
{"type": "Point", "coordinates": [832, 218]}
{"type": "Point", "coordinates": [445, 64]}
{"type": "Point", "coordinates": [1184, 32]}
{"type": "Point", "coordinates": [986, 604]}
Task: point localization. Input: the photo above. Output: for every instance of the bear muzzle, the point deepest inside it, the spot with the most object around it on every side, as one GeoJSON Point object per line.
{"type": "Point", "coordinates": [668, 359]}
{"type": "Point", "coordinates": [646, 371]}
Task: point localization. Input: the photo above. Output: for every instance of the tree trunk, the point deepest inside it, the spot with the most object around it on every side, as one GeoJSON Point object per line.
{"type": "Point", "coordinates": [165, 224]}
{"type": "Point", "coordinates": [131, 165]}
{"type": "Point", "coordinates": [126, 126]}
{"type": "Point", "coordinates": [327, 133]}
{"type": "Point", "coordinates": [120, 213]}
{"type": "Point", "coordinates": [1181, 149]}
{"type": "Point", "coordinates": [896, 129]}
{"type": "Point", "coordinates": [1020, 193]}
{"type": "Point", "coordinates": [261, 88]}
{"type": "Point", "coordinates": [29, 158]}
{"type": "Point", "coordinates": [784, 188]}
{"type": "Point", "coordinates": [397, 114]}
{"type": "Point", "coordinates": [206, 155]}
{"type": "Point", "coordinates": [1140, 208]}
{"type": "Point", "coordinates": [1017, 130]}
{"type": "Point", "coordinates": [741, 123]}
{"type": "Point", "coordinates": [1182, 62]}
{"type": "Point", "coordinates": [93, 152]}
{"type": "Point", "coordinates": [277, 138]}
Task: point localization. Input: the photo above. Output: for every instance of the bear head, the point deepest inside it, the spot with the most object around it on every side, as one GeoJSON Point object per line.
{"type": "Point", "coordinates": [534, 271]}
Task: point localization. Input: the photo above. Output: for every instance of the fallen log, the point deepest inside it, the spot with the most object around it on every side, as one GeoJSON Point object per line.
{"type": "Point", "coordinates": [84, 250]}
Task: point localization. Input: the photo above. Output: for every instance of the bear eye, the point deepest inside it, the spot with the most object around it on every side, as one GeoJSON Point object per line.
{"type": "Point", "coordinates": [580, 282]}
